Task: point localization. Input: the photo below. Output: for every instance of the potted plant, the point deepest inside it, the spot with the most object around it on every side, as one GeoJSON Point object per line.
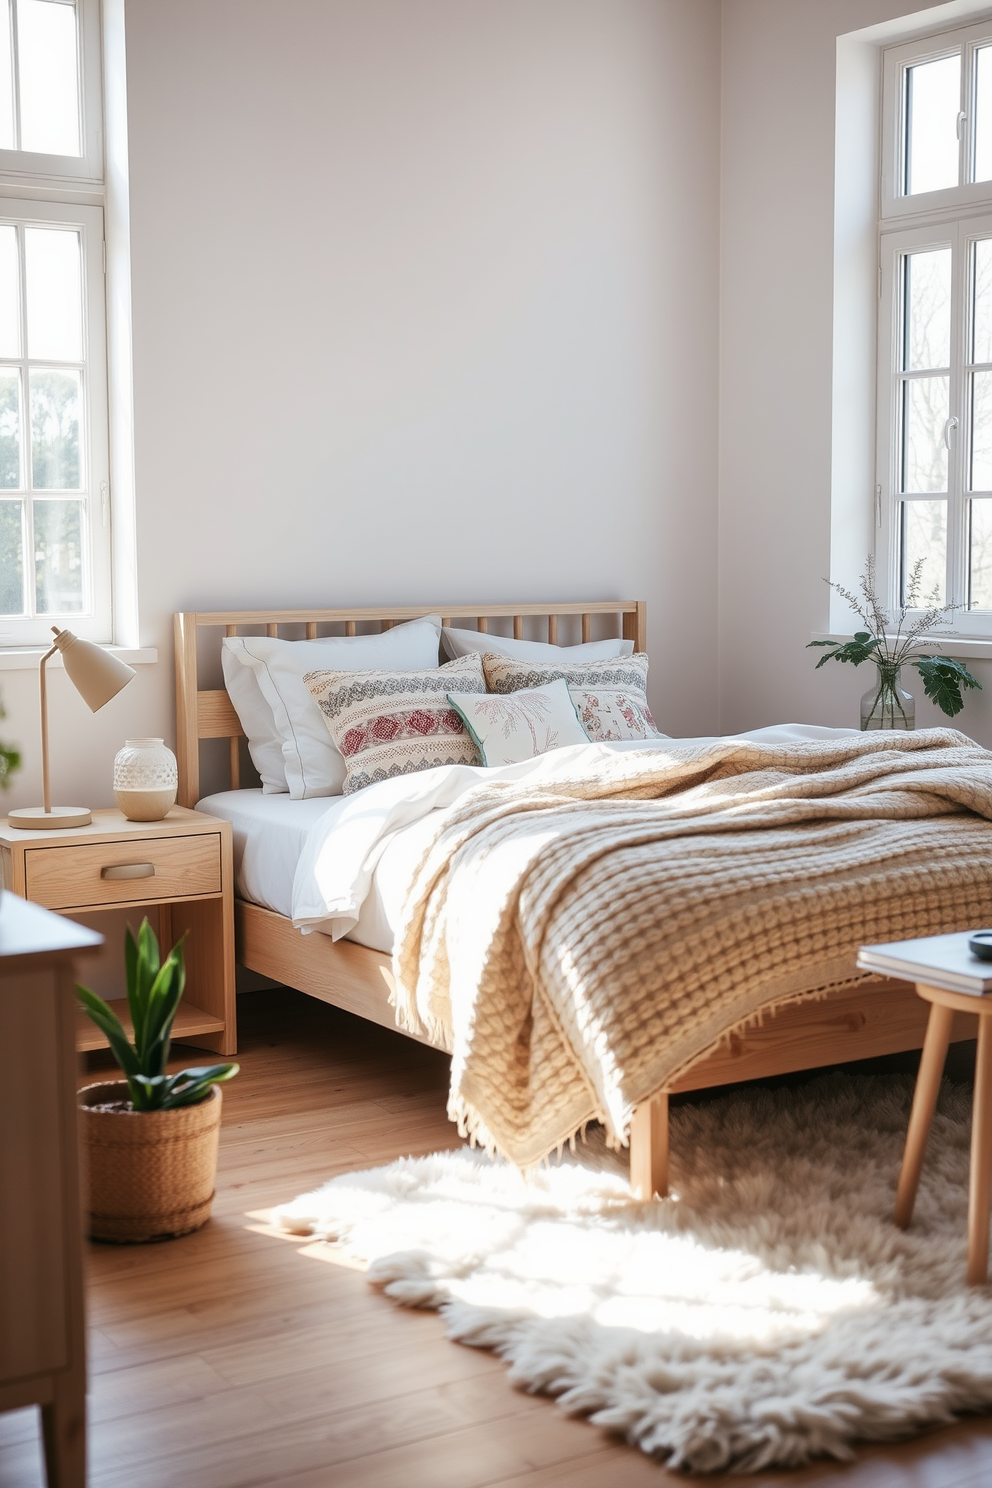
{"type": "Point", "coordinates": [150, 1139]}
{"type": "Point", "coordinates": [887, 705]}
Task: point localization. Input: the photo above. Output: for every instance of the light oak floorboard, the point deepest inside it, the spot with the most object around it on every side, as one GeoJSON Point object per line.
{"type": "Point", "coordinates": [241, 1358]}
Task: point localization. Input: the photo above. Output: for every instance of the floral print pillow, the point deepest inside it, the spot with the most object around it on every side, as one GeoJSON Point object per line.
{"type": "Point", "coordinates": [610, 697]}
{"type": "Point", "coordinates": [520, 725]}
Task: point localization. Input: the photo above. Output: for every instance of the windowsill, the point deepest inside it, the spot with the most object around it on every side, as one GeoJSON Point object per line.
{"type": "Point", "coordinates": [964, 647]}
{"type": "Point", "coordinates": [21, 659]}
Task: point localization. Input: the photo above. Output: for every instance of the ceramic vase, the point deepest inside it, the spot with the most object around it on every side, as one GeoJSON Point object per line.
{"type": "Point", "coordinates": [146, 779]}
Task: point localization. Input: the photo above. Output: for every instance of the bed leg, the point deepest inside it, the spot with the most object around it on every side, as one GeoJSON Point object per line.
{"type": "Point", "coordinates": [649, 1148]}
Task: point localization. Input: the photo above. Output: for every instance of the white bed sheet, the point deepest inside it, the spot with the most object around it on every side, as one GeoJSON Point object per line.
{"type": "Point", "coordinates": [269, 833]}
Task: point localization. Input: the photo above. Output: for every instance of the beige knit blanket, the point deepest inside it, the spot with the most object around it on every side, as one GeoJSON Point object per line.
{"type": "Point", "coordinates": [576, 945]}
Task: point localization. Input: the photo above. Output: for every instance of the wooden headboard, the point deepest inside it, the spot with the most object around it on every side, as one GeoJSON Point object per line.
{"type": "Point", "coordinates": [209, 713]}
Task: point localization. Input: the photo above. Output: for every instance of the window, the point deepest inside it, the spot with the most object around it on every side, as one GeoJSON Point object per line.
{"type": "Point", "coordinates": [934, 480]}
{"type": "Point", "coordinates": [55, 553]}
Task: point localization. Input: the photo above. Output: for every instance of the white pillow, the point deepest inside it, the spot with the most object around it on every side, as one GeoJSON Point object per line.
{"type": "Point", "coordinates": [520, 725]}
{"type": "Point", "coordinates": [287, 737]}
{"type": "Point", "coordinates": [476, 643]}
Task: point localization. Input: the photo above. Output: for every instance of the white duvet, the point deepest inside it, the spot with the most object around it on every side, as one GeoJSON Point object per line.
{"type": "Point", "coordinates": [344, 847]}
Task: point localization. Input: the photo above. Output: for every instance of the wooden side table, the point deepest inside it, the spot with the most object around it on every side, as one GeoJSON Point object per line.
{"type": "Point", "coordinates": [943, 1005]}
{"type": "Point", "coordinates": [42, 1334]}
{"type": "Point", "coordinates": [181, 867]}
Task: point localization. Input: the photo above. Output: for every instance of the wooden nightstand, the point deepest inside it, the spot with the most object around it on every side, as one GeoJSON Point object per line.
{"type": "Point", "coordinates": [182, 866]}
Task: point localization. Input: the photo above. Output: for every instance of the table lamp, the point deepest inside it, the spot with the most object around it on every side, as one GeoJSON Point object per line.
{"type": "Point", "coordinates": [97, 677]}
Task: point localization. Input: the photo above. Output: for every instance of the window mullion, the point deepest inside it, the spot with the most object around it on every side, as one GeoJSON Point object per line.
{"type": "Point", "coordinates": [15, 75]}
{"type": "Point", "coordinates": [959, 438]}
{"type": "Point", "coordinates": [30, 589]}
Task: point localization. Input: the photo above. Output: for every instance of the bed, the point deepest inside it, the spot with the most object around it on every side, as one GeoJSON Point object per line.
{"type": "Point", "coordinates": [856, 1018]}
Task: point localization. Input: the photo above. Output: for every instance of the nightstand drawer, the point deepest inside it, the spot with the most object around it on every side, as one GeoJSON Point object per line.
{"type": "Point", "coordinates": [150, 868]}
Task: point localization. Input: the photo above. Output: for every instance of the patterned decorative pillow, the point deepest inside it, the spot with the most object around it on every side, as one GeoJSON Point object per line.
{"type": "Point", "coordinates": [520, 725]}
{"type": "Point", "coordinates": [395, 723]}
{"type": "Point", "coordinates": [610, 697]}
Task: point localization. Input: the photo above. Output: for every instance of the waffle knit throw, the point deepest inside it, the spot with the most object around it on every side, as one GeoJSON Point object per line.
{"type": "Point", "coordinates": [577, 945]}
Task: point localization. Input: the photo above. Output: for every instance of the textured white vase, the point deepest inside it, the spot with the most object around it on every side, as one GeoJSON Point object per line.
{"type": "Point", "coordinates": [146, 779]}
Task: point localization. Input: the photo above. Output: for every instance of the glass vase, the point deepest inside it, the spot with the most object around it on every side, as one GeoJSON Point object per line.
{"type": "Point", "coordinates": [887, 705]}
{"type": "Point", "coordinates": [146, 779]}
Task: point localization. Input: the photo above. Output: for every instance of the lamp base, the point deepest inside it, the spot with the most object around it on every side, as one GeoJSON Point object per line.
{"type": "Point", "coordinates": [31, 818]}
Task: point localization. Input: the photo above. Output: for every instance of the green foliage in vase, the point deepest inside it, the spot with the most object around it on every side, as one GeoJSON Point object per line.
{"type": "Point", "coordinates": [154, 989]}
{"type": "Point", "coordinates": [892, 644]}
{"type": "Point", "coordinates": [9, 758]}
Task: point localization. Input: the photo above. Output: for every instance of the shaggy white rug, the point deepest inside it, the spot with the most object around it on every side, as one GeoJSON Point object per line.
{"type": "Point", "coordinates": [766, 1313]}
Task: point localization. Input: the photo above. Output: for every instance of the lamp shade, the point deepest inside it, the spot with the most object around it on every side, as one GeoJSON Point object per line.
{"type": "Point", "coordinates": [94, 673]}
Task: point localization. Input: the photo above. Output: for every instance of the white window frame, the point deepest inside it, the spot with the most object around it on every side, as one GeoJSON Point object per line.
{"type": "Point", "coordinates": [28, 166]}
{"type": "Point", "coordinates": [94, 621]}
{"type": "Point", "coordinates": [895, 61]}
{"type": "Point", "coordinates": [948, 218]}
{"type": "Point", "coordinates": [70, 191]}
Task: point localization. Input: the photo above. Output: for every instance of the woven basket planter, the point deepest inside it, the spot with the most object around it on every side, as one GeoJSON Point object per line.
{"type": "Point", "coordinates": [150, 1173]}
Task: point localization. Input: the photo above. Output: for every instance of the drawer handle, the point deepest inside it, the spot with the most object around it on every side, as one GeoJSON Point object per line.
{"type": "Point", "coordinates": [128, 870]}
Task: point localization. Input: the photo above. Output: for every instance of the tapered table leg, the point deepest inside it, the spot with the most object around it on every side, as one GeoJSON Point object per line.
{"type": "Point", "coordinates": [980, 1187]}
{"type": "Point", "coordinates": [932, 1061]}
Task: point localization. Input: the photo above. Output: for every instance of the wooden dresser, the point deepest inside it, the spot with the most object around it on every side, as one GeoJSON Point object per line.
{"type": "Point", "coordinates": [42, 1341]}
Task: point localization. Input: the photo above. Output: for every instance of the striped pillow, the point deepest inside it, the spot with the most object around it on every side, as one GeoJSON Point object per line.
{"type": "Point", "coordinates": [395, 723]}
{"type": "Point", "coordinates": [610, 697]}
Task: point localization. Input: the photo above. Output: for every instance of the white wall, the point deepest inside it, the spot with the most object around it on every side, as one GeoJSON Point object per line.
{"type": "Point", "coordinates": [776, 288]}
{"type": "Point", "coordinates": [424, 310]}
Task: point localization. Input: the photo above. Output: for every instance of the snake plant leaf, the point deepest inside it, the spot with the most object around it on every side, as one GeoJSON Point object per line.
{"type": "Point", "coordinates": [163, 1002]}
{"type": "Point", "coordinates": [148, 1091]}
{"type": "Point", "coordinates": [110, 1025]}
{"type": "Point", "coordinates": [135, 1003]}
{"type": "Point", "coordinates": [191, 1086]}
{"type": "Point", "coordinates": [148, 948]}
{"type": "Point", "coordinates": [943, 679]}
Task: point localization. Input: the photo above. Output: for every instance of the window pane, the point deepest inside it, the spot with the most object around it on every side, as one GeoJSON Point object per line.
{"type": "Point", "coordinates": [925, 412]}
{"type": "Point", "coordinates": [49, 91]}
{"type": "Point", "coordinates": [981, 345]}
{"type": "Point", "coordinates": [981, 431]}
{"type": "Point", "coordinates": [983, 114]}
{"type": "Point", "coordinates": [10, 429]}
{"type": "Point", "coordinates": [933, 98]}
{"type": "Point", "coordinates": [981, 555]}
{"type": "Point", "coordinates": [10, 294]}
{"type": "Point", "coordinates": [927, 310]}
{"type": "Point", "coordinates": [11, 558]}
{"type": "Point", "coordinates": [6, 80]}
{"type": "Point", "coordinates": [924, 541]}
{"type": "Point", "coordinates": [55, 431]}
{"type": "Point", "coordinates": [58, 557]}
{"type": "Point", "coordinates": [54, 292]}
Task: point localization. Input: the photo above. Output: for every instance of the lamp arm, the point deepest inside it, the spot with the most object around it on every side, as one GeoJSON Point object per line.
{"type": "Point", "coordinates": [43, 690]}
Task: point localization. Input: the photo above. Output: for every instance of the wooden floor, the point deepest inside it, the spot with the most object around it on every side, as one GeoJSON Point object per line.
{"type": "Point", "coordinates": [237, 1357]}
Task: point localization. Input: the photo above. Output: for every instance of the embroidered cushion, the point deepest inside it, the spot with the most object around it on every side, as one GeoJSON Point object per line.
{"type": "Point", "coordinates": [519, 725]}
{"type": "Point", "coordinates": [610, 697]}
{"type": "Point", "coordinates": [388, 723]}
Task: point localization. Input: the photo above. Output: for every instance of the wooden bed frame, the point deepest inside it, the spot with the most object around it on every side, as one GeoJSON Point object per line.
{"type": "Point", "coordinates": [886, 1017]}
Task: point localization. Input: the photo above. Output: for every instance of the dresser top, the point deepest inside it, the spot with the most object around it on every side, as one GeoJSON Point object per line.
{"type": "Point", "coordinates": [28, 930]}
